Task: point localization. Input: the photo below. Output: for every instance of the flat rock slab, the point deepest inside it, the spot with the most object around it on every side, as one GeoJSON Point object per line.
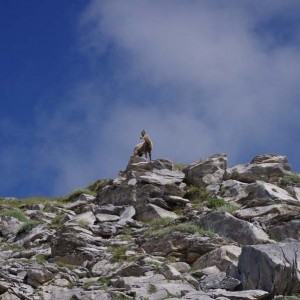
{"type": "Point", "coordinates": [152, 211]}
{"type": "Point", "coordinates": [238, 230]}
{"type": "Point", "coordinates": [107, 218]}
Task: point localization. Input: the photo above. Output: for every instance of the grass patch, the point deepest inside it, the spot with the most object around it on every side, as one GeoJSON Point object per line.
{"type": "Point", "coordinates": [152, 288]}
{"type": "Point", "coordinates": [27, 227]}
{"type": "Point", "coordinates": [118, 253]}
{"type": "Point", "coordinates": [15, 213]}
{"type": "Point", "coordinates": [41, 258]}
{"type": "Point", "coordinates": [64, 265]}
{"type": "Point", "coordinates": [99, 185]}
{"type": "Point", "coordinates": [214, 202]}
{"type": "Point", "coordinates": [8, 247]}
{"type": "Point", "coordinates": [189, 227]}
{"type": "Point", "coordinates": [179, 166]}
{"type": "Point", "coordinates": [56, 221]}
{"type": "Point", "coordinates": [229, 208]}
{"type": "Point", "coordinates": [292, 179]}
{"type": "Point", "coordinates": [75, 194]}
{"type": "Point", "coordinates": [83, 223]}
{"type": "Point", "coordinates": [159, 222]}
{"type": "Point", "coordinates": [18, 203]}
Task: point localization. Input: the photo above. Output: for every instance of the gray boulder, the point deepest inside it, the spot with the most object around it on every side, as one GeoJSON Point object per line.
{"type": "Point", "coordinates": [207, 171]}
{"type": "Point", "coordinates": [262, 193]}
{"type": "Point", "coordinates": [238, 230]}
{"type": "Point", "coordinates": [271, 267]}
{"type": "Point", "coordinates": [268, 167]}
{"type": "Point", "coordinates": [152, 211]}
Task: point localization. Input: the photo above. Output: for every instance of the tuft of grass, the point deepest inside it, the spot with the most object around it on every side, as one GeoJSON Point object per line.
{"type": "Point", "coordinates": [41, 258]}
{"type": "Point", "coordinates": [159, 222]}
{"type": "Point", "coordinates": [189, 227]}
{"type": "Point", "coordinates": [118, 253]}
{"type": "Point", "coordinates": [83, 223]}
{"type": "Point", "coordinates": [99, 185]}
{"type": "Point", "coordinates": [228, 207]}
{"type": "Point", "coordinates": [292, 179]}
{"type": "Point", "coordinates": [196, 193]}
{"type": "Point", "coordinates": [64, 265]}
{"type": "Point", "coordinates": [88, 284]}
{"type": "Point", "coordinates": [56, 221]}
{"type": "Point", "coordinates": [179, 166]}
{"type": "Point", "coordinates": [15, 213]}
{"type": "Point", "coordinates": [214, 202]}
{"type": "Point", "coordinates": [75, 194]}
{"type": "Point", "coordinates": [27, 227]}
{"type": "Point", "coordinates": [152, 288]}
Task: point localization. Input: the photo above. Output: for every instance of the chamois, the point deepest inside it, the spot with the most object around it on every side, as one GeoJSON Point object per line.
{"type": "Point", "coordinates": [145, 147]}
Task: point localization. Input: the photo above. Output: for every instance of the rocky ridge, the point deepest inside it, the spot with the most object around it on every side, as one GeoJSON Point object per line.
{"type": "Point", "coordinates": [159, 231]}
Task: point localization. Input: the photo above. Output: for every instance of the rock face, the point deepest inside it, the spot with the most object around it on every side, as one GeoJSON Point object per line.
{"type": "Point", "coordinates": [207, 171]}
{"type": "Point", "coordinates": [268, 167]}
{"type": "Point", "coordinates": [147, 235]}
{"type": "Point", "coordinates": [233, 228]}
{"type": "Point", "coordinates": [271, 267]}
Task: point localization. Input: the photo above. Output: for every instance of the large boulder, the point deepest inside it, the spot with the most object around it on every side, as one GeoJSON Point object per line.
{"type": "Point", "coordinates": [271, 267]}
{"type": "Point", "coordinates": [233, 228]}
{"type": "Point", "coordinates": [262, 193]}
{"type": "Point", "coordinates": [267, 167]}
{"type": "Point", "coordinates": [207, 171]}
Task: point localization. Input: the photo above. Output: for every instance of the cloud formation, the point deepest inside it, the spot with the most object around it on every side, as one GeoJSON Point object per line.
{"type": "Point", "coordinates": [200, 76]}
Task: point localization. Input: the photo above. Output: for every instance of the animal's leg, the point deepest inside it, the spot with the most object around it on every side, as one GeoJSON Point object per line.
{"type": "Point", "coordinates": [150, 156]}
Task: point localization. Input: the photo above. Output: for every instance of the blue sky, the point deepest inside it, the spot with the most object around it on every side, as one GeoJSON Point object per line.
{"type": "Point", "coordinates": [80, 79]}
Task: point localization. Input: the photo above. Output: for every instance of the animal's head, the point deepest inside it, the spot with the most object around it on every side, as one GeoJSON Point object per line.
{"type": "Point", "coordinates": [143, 133]}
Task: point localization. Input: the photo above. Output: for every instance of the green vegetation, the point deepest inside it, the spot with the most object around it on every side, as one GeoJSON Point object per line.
{"type": "Point", "coordinates": [292, 179]}
{"type": "Point", "coordinates": [16, 213]}
{"type": "Point", "coordinates": [189, 227]}
{"type": "Point", "coordinates": [200, 197]}
{"type": "Point", "coordinates": [159, 222]}
{"type": "Point", "coordinates": [56, 222]}
{"type": "Point", "coordinates": [88, 284]}
{"type": "Point", "coordinates": [179, 166]}
{"type": "Point", "coordinates": [118, 253]}
{"type": "Point", "coordinates": [152, 288]}
{"type": "Point", "coordinates": [99, 185]}
{"type": "Point", "coordinates": [64, 265]}
{"type": "Point", "coordinates": [83, 223]}
{"type": "Point", "coordinates": [13, 247]}
{"type": "Point", "coordinates": [41, 258]}
{"type": "Point", "coordinates": [27, 227]}
{"type": "Point", "coordinates": [229, 207]}
{"type": "Point", "coordinates": [75, 194]}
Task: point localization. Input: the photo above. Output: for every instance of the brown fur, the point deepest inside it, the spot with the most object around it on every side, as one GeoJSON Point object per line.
{"type": "Point", "coordinates": [144, 148]}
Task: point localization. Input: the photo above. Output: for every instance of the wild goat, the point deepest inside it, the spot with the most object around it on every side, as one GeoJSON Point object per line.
{"type": "Point", "coordinates": [143, 148]}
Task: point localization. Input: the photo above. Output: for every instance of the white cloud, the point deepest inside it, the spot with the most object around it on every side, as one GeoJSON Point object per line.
{"type": "Point", "coordinates": [197, 75]}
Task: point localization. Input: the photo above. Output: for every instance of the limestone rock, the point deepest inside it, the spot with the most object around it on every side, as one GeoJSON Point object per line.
{"type": "Point", "coordinates": [238, 230]}
{"type": "Point", "coordinates": [9, 226]}
{"type": "Point", "coordinates": [271, 267]}
{"type": "Point", "coordinates": [37, 276]}
{"type": "Point", "coordinates": [262, 193]}
{"type": "Point", "coordinates": [233, 190]}
{"type": "Point", "coordinates": [207, 171]}
{"type": "Point", "coordinates": [152, 211]}
{"type": "Point", "coordinates": [269, 168]}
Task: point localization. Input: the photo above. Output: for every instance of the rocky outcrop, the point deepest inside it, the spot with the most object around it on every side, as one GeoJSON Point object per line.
{"type": "Point", "coordinates": [146, 235]}
{"type": "Point", "coordinates": [268, 167]}
{"type": "Point", "coordinates": [207, 171]}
